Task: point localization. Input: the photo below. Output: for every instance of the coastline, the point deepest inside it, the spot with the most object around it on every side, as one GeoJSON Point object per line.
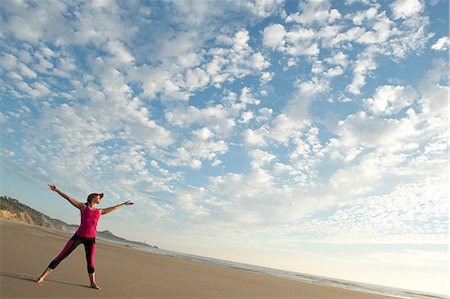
{"type": "Point", "coordinates": [126, 272]}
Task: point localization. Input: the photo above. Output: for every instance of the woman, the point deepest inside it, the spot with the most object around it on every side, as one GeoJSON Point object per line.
{"type": "Point", "coordinates": [85, 234]}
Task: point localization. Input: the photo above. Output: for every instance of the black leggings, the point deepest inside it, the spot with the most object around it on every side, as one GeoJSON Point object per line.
{"type": "Point", "coordinates": [89, 246]}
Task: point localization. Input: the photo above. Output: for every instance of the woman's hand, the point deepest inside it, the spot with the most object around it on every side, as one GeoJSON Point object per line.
{"type": "Point", "coordinates": [73, 201]}
{"type": "Point", "coordinates": [128, 203]}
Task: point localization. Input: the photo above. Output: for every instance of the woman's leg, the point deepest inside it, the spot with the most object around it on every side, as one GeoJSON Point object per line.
{"type": "Point", "coordinates": [89, 246]}
{"type": "Point", "coordinates": [70, 246]}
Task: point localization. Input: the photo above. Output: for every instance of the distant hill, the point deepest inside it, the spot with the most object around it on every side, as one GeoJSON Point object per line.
{"type": "Point", "coordinates": [11, 208]}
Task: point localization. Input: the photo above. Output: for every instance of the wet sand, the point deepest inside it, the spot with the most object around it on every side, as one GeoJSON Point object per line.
{"type": "Point", "coordinates": [124, 272]}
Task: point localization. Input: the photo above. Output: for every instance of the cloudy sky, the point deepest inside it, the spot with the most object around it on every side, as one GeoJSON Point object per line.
{"type": "Point", "coordinates": [304, 135]}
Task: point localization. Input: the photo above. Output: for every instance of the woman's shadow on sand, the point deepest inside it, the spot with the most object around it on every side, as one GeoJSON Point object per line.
{"type": "Point", "coordinates": [30, 278]}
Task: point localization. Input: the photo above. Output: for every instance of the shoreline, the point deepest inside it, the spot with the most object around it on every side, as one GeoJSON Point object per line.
{"type": "Point", "coordinates": [126, 272]}
{"type": "Point", "coordinates": [298, 276]}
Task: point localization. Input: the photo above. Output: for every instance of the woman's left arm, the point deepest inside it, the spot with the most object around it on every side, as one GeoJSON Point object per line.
{"type": "Point", "coordinates": [109, 210]}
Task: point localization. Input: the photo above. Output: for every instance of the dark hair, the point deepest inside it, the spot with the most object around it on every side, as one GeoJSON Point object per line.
{"type": "Point", "coordinates": [88, 200]}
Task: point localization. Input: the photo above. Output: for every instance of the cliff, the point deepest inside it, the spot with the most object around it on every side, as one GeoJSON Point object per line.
{"type": "Point", "coordinates": [12, 209]}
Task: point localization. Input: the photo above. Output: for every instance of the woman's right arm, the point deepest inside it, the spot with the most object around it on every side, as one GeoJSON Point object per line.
{"type": "Point", "coordinates": [73, 201]}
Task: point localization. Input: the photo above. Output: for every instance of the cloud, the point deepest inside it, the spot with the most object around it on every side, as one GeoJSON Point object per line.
{"type": "Point", "coordinates": [274, 36]}
{"type": "Point", "coordinates": [307, 91]}
{"type": "Point", "coordinates": [260, 158]}
{"type": "Point", "coordinates": [84, 136]}
{"type": "Point", "coordinates": [382, 30]}
{"type": "Point", "coordinates": [405, 8]}
{"type": "Point", "coordinates": [263, 8]}
{"type": "Point", "coordinates": [435, 92]}
{"type": "Point", "coordinates": [218, 118]}
{"type": "Point", "coordinates": [254, 192]}
{"type": "Point", "coordinates": [118, 49]}
{"type": "Point", "coordinates": [364, 64]}
{"type": "Point", "coordinates": [222, 118]}
{"type": "Point", "coordinates": [315, 12]}
{"type": "Point", "coordinates": [194, 71]}
{"type": "Point", "coordinates": [296, 42]}
{"type": "Point", "coordinates": [22, 30]}
{"type": "Point", "coordinates": [367, 15]}
{"type": "Point", "coordinates": [243, 58]}
{"type": "Point", "coordinates": [390, 99]}
{"type": "Point", "coordinates": [190, 203]}
{"type": "Point", "coordinates": [338, 59]}
{"type": "Point", "coordinates": [395, 217]}
{"type": "Point", "coordinates": [280, 130]}
{"type": "Point", "coordinates": [442, 44]}
{"type": "Point", "coordinates": [8, 61]}
{"type": "Point", "coordinates": [255, 137]}
{"type": "Point", "coordinates": [372, 29]}
{"type": "Point", "coordinates": [394, 154]}
{"type": "Point", "coordinates": [26, 71]}
{"type": "Point", "coordinates": [246, 117]}
{"type": "Point", "coordinates": [196, 79]}
{"type": "Point", "coordinates": [364, 177]}
{"type": "Point", "coordinates": [192, 152]}
{"type": "Point", "coordinates": [32, 23]}
{"type": "Point", "coordinates": [387, 135]}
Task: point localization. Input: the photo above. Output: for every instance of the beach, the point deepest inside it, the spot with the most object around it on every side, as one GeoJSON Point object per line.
{"type": "Point", "coordinates": [125, 272]}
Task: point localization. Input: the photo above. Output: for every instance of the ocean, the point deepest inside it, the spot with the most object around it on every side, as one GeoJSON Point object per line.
{"type": "Point", "coordinates": [350, 285]}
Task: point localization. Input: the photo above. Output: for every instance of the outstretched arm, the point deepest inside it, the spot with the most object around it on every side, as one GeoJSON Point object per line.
{"type": "Point", "coordinates": [73, 201]}
{"type": "Point", "coordinates": [109, 210]}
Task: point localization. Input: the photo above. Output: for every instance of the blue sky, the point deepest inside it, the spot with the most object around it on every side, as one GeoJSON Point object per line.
{"type": "Point", "coordinates": [303, 135]}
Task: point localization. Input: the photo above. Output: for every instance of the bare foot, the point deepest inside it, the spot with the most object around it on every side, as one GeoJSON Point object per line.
{"type": "Point", "coordinates": [95, 286]}
{"type": "Point", "coordinates": [44, 275]}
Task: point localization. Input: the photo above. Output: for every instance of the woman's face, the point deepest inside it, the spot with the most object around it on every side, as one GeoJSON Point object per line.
{"type": "Point", "coordinates": [96, 199]}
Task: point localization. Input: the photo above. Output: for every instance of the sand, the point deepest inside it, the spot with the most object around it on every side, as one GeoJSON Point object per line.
{"type": "Point", "coordinates": [124, 272]}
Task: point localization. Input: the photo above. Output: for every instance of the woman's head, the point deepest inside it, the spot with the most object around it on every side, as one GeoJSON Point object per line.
{"type": "Point", "coordinates": [94, 198]}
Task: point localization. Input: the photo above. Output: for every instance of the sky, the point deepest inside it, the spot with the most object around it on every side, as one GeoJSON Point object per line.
{"type": "Point", "coordinates": [310, 136]}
